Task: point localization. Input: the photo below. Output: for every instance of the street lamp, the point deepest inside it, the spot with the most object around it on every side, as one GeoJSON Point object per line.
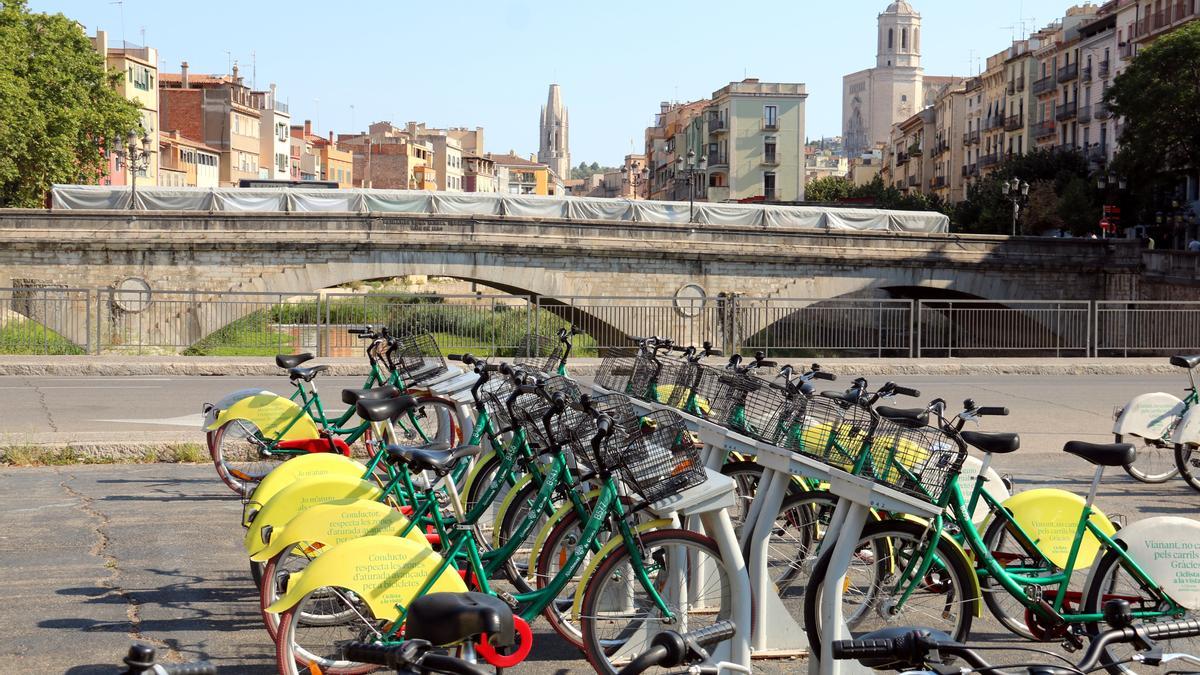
{"type": "Point", "coordinates": [1017, 191]}
{"type": "Point", "coordinates": [636, 179]}
{"type": "Point", "coordinates": [135, 158]}
{"type": "Point", "coordinates": [689, 169]}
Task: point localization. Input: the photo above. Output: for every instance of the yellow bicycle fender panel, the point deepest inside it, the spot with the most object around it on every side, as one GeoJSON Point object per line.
{"type": "Point", "coordinates": [473, 475]}
{"type": "Point", "coordinates": [384, 571]}
{"type": "Point", "coordinates": [304, 466]}
{"type": "Point", "coordinates": [504, 505]}
{"type": "Point", "coordinates": [602, 554]}
{"type": "Point", "coordinates": [543, 534]}
{"type": "Point", "coordinates": [1167, 548]}
{"type": "Point", "coordinates": [976, 589]}
{"type": "Point", "coordinates": [1050, 516]}
{"type": "Point", "coordinates": [271, 413]}
{"type": "Point", "coordinates": [339, 521]}
{"type": "Point", "coordinates": [993, 485]}
{"type": "Point", "coordinates": [301, 495]}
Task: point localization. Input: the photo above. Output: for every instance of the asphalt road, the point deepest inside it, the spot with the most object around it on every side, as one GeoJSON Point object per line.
{"type": "Point", "coordinates": [92, 557]}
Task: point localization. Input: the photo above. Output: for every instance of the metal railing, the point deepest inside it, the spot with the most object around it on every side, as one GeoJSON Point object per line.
{"type": "Point", "coordinates": [1043, 85]}
{"type": "Point", "coordinates": [1044, 129]}
{"type": "Point", "coordinates": [1065, 111]}
{"type": "Point", "coordinates": [1068, 72]}
{"type": "Point", "coordinates": [1084, 114]}
{"type": "Point", "coordinates": [951, 328]}
{"type": "Point", "coordinates": [1014, 122]}
{"type": "Point", "coordinates": [39, 320]}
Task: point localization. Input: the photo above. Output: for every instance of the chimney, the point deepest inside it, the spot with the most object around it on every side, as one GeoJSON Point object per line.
{"type": "Point", "coordinates": [307, 128]}
{"type": "Point", "coordinates": [235, 74]}
{"type": "Point", "coordinates": [331, 136]}
{"type": "Point", "coordinates": [183, 76]}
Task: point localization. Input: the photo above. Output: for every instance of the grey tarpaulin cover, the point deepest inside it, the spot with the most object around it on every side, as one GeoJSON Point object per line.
{"type": "Point", "coordinates": [301, 200]}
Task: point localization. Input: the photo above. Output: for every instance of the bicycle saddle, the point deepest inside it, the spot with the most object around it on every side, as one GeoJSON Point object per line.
{"type": "Point", "coordinates": [435, 457]}
{"type": "Point", "coordinates": [306, 374]}
{"type": "Point", "coordinates": [841, 397]}
{"type": "Point", "coordinates": [448, 618]}
{"type": "Point", "coordinates": [907, 417]}
{"type": "Point", "coordinates": [289, 361]}
{"type": "Point", "coordinates": [1102, 454]}
{"type": "Point", "coordinates": [353, 396]}
{"type": "Point", "coordinates": [995, 442]}
{"type": "Point", "coordinates": [1182, 361]}
{"type": "Point", "coordinates": [378, 410]}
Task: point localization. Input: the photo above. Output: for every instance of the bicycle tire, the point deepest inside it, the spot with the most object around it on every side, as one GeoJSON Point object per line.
{"type": "Point", "coordinates": [268, 592]}
{"type": "Point", "coordinates": [483, 479]}
{"type": "Point", "coordinates": [1093, 601]}
{"type": "Point", "coordinates": [1187, 461]}
{"type": "Point", "coordinates": [598, 650]}
{"type": "Point", "coordinates": [1148, 456]}
{"type": "Point", "coordinates": [230, 442]}
{"type": "Point", "coordinates": [994, 594]}
{"type": "Point", "coordinates": [293, 662]}
{"type": "Point", "coordinates": [793, 545]}
{"type": "Point", "coordinates": [518, 564]}
{"type": "Point", "coordinates": [889, 531]}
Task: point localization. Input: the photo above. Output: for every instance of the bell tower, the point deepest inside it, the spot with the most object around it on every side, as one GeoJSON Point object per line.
{"type": "Point", "coordinates": [899, 37]}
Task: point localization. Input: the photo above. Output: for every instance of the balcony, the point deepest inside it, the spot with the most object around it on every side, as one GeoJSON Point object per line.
{"type": "Point", "coordinates": [1162, 20]}
{"type": "Point", "coordinates": [1012, 87]}
{"type": "Point", "coordinates": [975, 137]}
{"type": "Point", "coordinates": [1097, 152]}
{"type": "Point", "coordinates": [716, 126]}
{"type": "Point", "coordinates": [770, 125]}
{"type": "Point", "coordinates": [937, 182]}
{"type": "Point", "coordinates": [989, 160]}
{"type": "Point", "coordinates": [1014, 122]}
{"type": "Point", "coordinates": [716, 159]}
{"type": "Point", "coordinates": [993, 122]}
{"type": "Point", "coordinates": [913, 181]}
{"type": "Point", "coordinates": [1084, 114]}
{"type": "Point", "coordinates": [1125, 50]}
{"type": "Point", "coordinates": [1101, 112]}
{"type": "Point", "coordinates": [1103, 70]}
{"type": "Point", "coordinates": [973, 170]}
{"type": "Point", "coordinates": [940, 148]}
{"type": "Point", "coordinates": [1021, 83]}
{"type": "Point", "coordinates": [1065, 111]}
{"type": "Point", "coordinates": [771, 159]}
{"type": "Point", "coordinates": [1068, 72]}
{"type": "Point", "coordinates": [901, 158]}
{"type": "Point", "coordinates": [1046, 84]}
{"type": "Point", "coordinates": [1044, 129]}
{"type": "Point", "coordinates": [1086, 76]}
{"type": "Point", "coordinates": [965, 171]}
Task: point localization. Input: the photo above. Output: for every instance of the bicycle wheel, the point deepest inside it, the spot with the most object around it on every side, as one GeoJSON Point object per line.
{"type": "Point", "coordinates": [1155, 462]}
{"type": "Point", "coordinates": [517, 566]}
{"type": "Point", "coordinates": [555, 551]}
{"type": "Point", "coordinates": [323, 610]}
{"type": "Point", "coordinates": [484, 477]}
{"type": "Point", "coordinates": [1187, 460]}
{"type": "Point", "coordinates": [943, 600]}
{"type": "Point", "coordinates": [792, 548]}
{"type": "Point", "coordinates": [238, 453]}
{"type": "Point", "coordinates": [619, 617]}
{"type": "Point", "coordinates": [301, 647]}
{"type": "Point", "coordinates": [1009, 552]}
{"type": "Point", "coordinates": [1111, 579]}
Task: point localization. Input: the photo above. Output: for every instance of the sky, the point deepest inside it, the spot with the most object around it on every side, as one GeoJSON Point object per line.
{"type": "Point", "coordinates": [468, 63]}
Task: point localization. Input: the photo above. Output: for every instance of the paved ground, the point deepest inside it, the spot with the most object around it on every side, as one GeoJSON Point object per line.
{"type": "Point", "coordinates": [94, 556]}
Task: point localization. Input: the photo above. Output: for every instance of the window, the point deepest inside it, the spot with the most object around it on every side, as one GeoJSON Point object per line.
{"type": "Point", "coordinates": [904, 38]}
{"type": "Point", "coordinates": [769, 149]}
{"type": "Point", "coordinates": [890, 39]}
{"type": "Point", "coordinates": [281, 131]}
{"type": "Point", "coordinates": [771, 116]}
{"type": "Point", "coordinates": [769, 185]}
{"type": "Point", "coordinates": [281, 161]}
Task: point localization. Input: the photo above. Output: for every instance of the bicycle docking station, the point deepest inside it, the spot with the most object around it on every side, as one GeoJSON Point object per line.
{"type": "Point", "coordinates": [709, 503]}
{"type": "Point", "coordinates": [776, 634]}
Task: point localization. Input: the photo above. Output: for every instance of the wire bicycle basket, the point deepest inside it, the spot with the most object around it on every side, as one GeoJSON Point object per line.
{"type": "Point", "coordinates": [494, 393]}
{"type": "Point", "coordinates": [917, 461]}
{"type": "Point", "coordinates": [539, 352]}
{"type": "Point", "coordinates": [755, 407]}
{"type": "Point", "coordinates": [616, 370]}
{"type": "Point", "coordinates": [833, 431]}
{"type": "Point", "coordinates": [660, 460]}
{"type": "Point", "coordinates": [418, 358]}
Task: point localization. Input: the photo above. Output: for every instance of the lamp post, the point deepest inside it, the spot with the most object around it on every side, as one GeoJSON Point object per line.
{"type": "Point", "coordinates": [636, 178]}
{"type": "Point", "coordinates": [135, 158]}
{"type": "Point", "coordinates": [1017, 191]}
{"type": "Point", "coordinates": [1111, 214]}
{"type": "Point", "coordinates": [689, 169]}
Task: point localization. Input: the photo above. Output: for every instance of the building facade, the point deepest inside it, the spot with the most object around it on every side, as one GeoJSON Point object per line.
{"type": "Point", "coordinates": [139, 85]}
{"type": "Point", "coordinates": [554, 147]}
{"type": "Point", "coordinates": [218, 110]}
{"type": "Point", "coordinates": [479, 174]}
{"type": "Point", "coordinates": [524, 176]}
{"type": "Point", "coordinates": [753, 140]}
{"type": "Point", "coordinates": [392, 158]}
{"type": "Point", "coordinates": [186, 162]}
{"type": "Point", "coordinates": [274, 135]}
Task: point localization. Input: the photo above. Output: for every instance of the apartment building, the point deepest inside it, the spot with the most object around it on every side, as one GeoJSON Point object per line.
{"type": "Point", "coordinates": [389, 157]}
{"type": "Point", "coordinates": [669, 123]}
{"type": "Point", "coordinates": [525, 176]}
{"type": "Point", "coordinates": [755, 142]}
{"type": "Point", "coordinates": [186, 162]}
{"type": "Point", "coordinates": [1097, 51]}
{"type": "Point", "coordinates": [946, 152]}
{"type": "Point", "coordinates": [219, 111]}
{"type": "Point", "coordinates": [274, 134]}
{"type": "Point", "coordinates": [479, 174]}
{"type": "Point", "coordinates": [447, 155]}
{"type": "Point", "coordinates": [139, 84]}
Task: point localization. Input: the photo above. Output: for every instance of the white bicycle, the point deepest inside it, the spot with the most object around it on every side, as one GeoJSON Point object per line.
{"type": "Point", "coordinates": [1150, 422]}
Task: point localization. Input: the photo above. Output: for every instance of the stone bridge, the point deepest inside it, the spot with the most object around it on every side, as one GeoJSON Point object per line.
{"type": "Point", "coordinates": [554, 261]}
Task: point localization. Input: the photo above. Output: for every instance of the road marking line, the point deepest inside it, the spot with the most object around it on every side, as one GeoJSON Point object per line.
{"type": "Point", "coordinates": [193, 420]}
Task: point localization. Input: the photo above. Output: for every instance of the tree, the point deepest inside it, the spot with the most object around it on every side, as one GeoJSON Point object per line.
{"type": "Point", "coordinates": [1159, 97]}
{"type": "Point", "coordinates": [60, 113]}
{"type": "Point", "coordinates": [828, 189]}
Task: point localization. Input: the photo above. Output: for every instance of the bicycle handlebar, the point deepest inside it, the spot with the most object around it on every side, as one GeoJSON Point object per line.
{"type": "Point", "coordinates": [412, 656]}
{"type": "Point", "coordinates": [187, 669]}
{"type": "Point", "coordinates": [822, 375]}
{"type": "Point", "coordinates": [140, 660]}
{"type": "Point", "coordinates": [669, 649]}
{"type": "Point", "coordinates": [996, 410]}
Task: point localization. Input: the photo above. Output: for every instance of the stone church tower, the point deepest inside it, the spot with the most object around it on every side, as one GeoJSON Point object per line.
{"type": "Point", "coordinates": [554, 149]}
{"type": "Point", "coordinates": [875, 99]}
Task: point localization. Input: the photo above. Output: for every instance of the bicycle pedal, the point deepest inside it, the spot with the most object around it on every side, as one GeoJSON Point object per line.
{"type": "Point", "coordinates": [1072, 643]}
